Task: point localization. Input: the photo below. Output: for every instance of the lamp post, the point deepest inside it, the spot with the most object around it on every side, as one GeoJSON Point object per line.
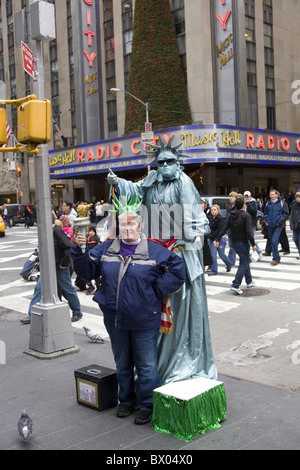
{"type": "Point", "coordinates": [147, 113]}
{"type": "Point", "coordinates": [50, 329]}
{"type": "Point", "coordinates": [137, 99]}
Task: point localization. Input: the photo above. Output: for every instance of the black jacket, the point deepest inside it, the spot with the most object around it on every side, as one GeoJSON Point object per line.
{"type": "Point", "coordinates": [295, 216]}
{"type": "Point", "coordinates": [240, 225]}
{"type": "Point", "coordinates": [252, 210]}
{"type": "Point", "coordinates": [62, 246]}
{"type": "Point", "coordinates": [216, 224]}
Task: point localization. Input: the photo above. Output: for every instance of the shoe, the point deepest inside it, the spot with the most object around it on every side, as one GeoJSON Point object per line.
{"type": "Point", "coordinates": [211, 274]}
{"type": "Point", "coordinates": [250, 285]}
{"type": "Point", "coordinates": [75, 318]}
{"type": "Point", "coordinates": [237, 290]}
{"type": "Point", "coordinates": [208, 269]}
{"type": "Point", "coordinates": [25, 322]}
{"type": "Point", "coordinates": [265, 253]}
{"type": "Point", "coordinates": [260, 256]}
{"type": "Point", "coordinates": [143, 417]}
{"type": "Point", "coordinates": [286, 253]}
{"type": "Point", "coordinates": [228, 270]}
{"type": "Point", "coordinates": [125, 410]}
{"type": "Point", "coordinates": [274, 263]}
{"type": "Point", "coordinates": [91, 291]}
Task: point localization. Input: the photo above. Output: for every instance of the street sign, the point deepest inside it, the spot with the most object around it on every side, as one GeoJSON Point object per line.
{"type": "Point", "coordinates": [28, 60]}
{"type": "Point", "coordinates": [147, 137]}
{"type": "Point", "coordinates": [148, 126]}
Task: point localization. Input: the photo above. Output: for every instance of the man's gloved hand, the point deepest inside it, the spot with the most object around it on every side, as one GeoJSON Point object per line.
{"type": "Point", "coordinates": [112, 179]}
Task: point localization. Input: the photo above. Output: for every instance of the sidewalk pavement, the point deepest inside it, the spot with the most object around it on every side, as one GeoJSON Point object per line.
{"type": "Point", "coordinates": [258, 417]}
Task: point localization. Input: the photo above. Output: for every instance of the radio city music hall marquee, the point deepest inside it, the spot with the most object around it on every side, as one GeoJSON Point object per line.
{"type": "Point", "coordinates": [200, 144]}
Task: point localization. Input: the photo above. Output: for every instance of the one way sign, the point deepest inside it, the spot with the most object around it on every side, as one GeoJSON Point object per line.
{"type": "Point", "coordinates": [28, 60]}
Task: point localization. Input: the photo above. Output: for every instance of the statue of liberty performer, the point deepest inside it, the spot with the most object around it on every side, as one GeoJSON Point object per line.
{"type": "Point", "coordinates": [171, 200]}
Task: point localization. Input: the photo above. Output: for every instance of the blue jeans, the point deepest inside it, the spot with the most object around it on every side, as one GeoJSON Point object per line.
{"type": "Point", "coordinates": [296, 238]}
{"type": "Point", "coordinates": [221, 251]}
{"type": "Point", "coordinates": [274, 234]}
{"type": "Point", "coordinates": [68, 290]}
{"type": "Point", "coordinates": [134, 348]}
{"type": "Point", "coordinates": [242, 250]}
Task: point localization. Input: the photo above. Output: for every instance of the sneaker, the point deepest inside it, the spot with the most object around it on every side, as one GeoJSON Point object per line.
{"type": "Point", "coordinates": [260, 256]}
{"type": "Point", "coordinates": [91, 291]}
{"type": "Point", "coordinates": [75, 318]}
{"type": "Point", "coordinates": [125, 410]}
{"type": "Point", "coordinates": [211, 274]}
{"type": "Point", "coordinates": [228, 270]}
{"type": "Point", "coordinates": [237, 290]}
{"type": "Point", "coordinates": [250, 285]}
{"type": "Point", "coordinates": [143, 417]}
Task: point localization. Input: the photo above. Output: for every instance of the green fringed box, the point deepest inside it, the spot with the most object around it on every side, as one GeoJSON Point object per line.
{"type": "Point", "coordinates": [189, 407]}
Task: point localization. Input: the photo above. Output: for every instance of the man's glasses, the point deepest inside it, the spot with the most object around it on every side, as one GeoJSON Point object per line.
{"type": "Point", "coordinates": [169, 162]}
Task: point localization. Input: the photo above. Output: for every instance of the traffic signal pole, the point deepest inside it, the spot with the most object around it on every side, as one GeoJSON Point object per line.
{"type": "Point", "coordinates": [50, 327]}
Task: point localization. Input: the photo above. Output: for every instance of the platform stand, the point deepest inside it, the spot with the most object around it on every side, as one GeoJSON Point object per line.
{"type": "Point", "coordinates": [189, 408]}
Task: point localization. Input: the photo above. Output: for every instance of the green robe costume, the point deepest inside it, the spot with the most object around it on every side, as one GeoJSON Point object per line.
{"type": "Point", "coordinates": [187, 351]}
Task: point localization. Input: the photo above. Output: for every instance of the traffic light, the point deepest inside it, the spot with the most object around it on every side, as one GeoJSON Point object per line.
{"type": "Point", "coordinates": [3, 139]}
{"type": "Point", "coordinates": [34, 122]}
{"type": "Point", "coordinates": [19, 170]}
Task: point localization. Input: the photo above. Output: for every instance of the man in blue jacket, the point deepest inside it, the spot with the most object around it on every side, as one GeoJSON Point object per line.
{"type": "Point", "coordinates": [275, 214]}
{"type": "Point", "coordinates": [136, 275]}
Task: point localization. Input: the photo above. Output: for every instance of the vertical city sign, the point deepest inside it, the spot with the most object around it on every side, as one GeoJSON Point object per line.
{"type": "Point", "coordinates": [86, 47]}
{"type": "Point", "coordinates": [225, 61]}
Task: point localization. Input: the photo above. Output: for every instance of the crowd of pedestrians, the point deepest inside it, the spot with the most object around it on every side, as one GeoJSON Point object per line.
{"type": "Point", "coordinates": [239, 227]}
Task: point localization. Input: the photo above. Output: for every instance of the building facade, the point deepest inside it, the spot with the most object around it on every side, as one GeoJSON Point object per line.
{"type": "Point", "coordinates": [242, 69]}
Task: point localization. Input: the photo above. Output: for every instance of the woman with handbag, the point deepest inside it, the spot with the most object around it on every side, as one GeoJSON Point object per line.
{"type": "Point", "coordinates": [216, 223]}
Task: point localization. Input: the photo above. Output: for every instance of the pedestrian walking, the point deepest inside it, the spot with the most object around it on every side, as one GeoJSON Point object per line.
{"type": "Point", "coordinates": [136, 276]}
{"type": "Point", "coordinates": [67, 208]}
{"type": "Point", "coordinates": [239, 223]}
{"type": "Point", "coordinates": [27, 215]}
{"type": "Point", "coordinates": [231, 254]}
{"type": "Point", "coordinates": [275, 215]}
{"type": "Point", "coordinates": [295, 222]}
{"type": "Point", "coordinates": [251, 209]}
{"type": "Point", "coordinates": [62, 246]}
{"type": "Point", "coordinates": [5, 216]}
{"type": "Point", "coordinates": [216, 224]}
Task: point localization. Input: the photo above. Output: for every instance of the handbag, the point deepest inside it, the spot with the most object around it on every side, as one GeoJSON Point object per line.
{"type": "Point", "coordinates": [254, 256]}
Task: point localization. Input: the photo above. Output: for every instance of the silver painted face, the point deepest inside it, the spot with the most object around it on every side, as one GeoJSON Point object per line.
{"type": "Point", "coordinates": [167, 165]}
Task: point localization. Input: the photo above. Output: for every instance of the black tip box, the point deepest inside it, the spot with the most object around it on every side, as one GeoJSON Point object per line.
{"type": "Point", "coordinates": [96, 387]}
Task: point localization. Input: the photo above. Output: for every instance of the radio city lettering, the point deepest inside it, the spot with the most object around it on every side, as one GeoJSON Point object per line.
{"type": "Point", "coordinates": [224, 20]}
{"type": "Point", "coordinates": [90, 81]}
{"type": "Point", "coordinates": [219, 140]}
{"type": "Point", "coordinates": [270, 142]}
{"type": "Point", "coordinates": [90, 56]}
